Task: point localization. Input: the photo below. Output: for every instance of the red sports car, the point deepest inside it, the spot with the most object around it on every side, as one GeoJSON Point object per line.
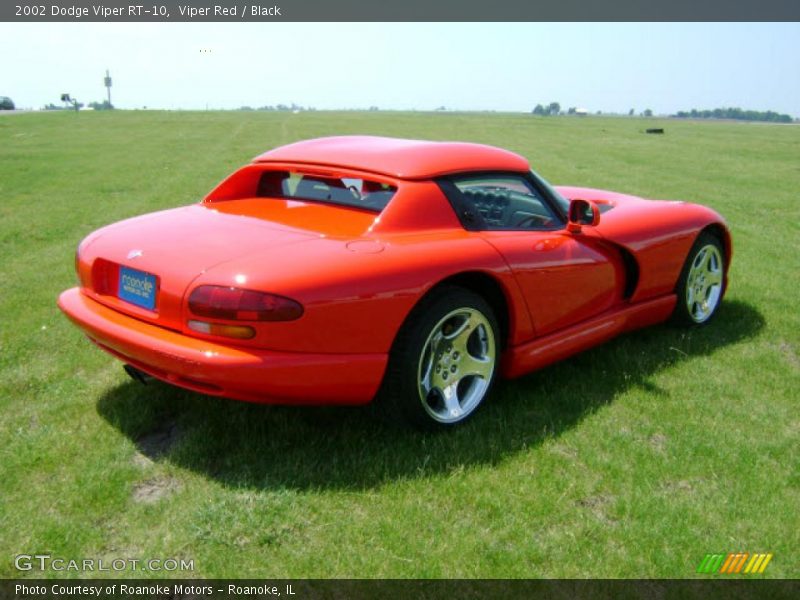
{"type": "Point", "coordinates": [344, 270]}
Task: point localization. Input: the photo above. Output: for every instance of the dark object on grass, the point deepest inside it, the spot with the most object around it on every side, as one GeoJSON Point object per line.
{"type": "Point", "coordinates": [655, 130]}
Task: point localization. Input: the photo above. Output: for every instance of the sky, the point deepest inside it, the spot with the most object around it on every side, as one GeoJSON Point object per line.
{"type": "Point", "coordinates": [610, 67]}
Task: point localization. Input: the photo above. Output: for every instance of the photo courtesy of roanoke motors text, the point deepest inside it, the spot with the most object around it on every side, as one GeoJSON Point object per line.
{"type": "Point", "coordinates": [312, 300]}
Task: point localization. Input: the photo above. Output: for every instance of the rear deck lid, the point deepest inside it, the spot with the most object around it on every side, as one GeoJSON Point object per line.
{"type": "Point", "coordinates": [145, 265]}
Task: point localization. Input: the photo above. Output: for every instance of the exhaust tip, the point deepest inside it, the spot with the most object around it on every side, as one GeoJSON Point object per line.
{"type": "Point", "coordinates": [136, 374]}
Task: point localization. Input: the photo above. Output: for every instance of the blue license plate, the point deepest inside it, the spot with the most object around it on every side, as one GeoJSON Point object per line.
{"type": "Point", "coordinates": [137, 287]}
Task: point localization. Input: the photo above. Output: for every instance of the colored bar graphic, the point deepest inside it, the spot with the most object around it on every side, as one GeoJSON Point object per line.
{"type": "Point", "coordinates": [701, 568]}
{"type": "Point", "coordinates": [734, 562]}
{"type": "Point", "coordinates": [765, 563]}
{"type": "Point", "coordinates": [740, 562]}
{"type": "Point", "coordinates": [710, 563]}
{"type": "Point", "coordinates": [727, 564]}
{"type": "Point", "coordinates": [754, 562]}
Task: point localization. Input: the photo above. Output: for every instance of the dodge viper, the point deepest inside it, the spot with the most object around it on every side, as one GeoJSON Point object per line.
{"type": "Point", "coordinates": [349, 269]}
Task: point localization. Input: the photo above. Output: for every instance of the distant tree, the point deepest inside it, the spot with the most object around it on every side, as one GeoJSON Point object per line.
{"type": "Point", "coordinates": [6, 103]}
{"type": "Point", "coordinates": [554, 108]}
{"type": "Point", "coordinates": [373, 109]}
{"type": "Point", "coordinates": [538, 110]}
{"type": "Point", "coordinates": [246, 108]}
{"type": "Point", "coordinates": [647, 113]}
{"type": "Point", "coordinates": [104, 105]}
{"type": "Point", "coordinates": [70, 101]}
{"type": "Point", "coordinates": [631, 112]}
{"type": "Point", "coordinates": [571, 110]}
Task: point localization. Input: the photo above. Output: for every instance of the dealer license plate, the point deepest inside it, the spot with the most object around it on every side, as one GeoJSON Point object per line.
{"type": "Point", "coordinates": [137, 287]}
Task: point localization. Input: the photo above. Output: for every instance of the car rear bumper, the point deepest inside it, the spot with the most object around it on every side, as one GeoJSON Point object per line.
{"type": "Point", "coordinates": [212, 368]}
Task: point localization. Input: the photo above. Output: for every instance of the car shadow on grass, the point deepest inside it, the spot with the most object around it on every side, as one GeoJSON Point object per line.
{"type": "Point", "coordinates": [264, 447]}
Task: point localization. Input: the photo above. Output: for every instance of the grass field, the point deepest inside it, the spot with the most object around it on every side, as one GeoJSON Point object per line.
{"type": "Point", "coordinates": [632, 460]}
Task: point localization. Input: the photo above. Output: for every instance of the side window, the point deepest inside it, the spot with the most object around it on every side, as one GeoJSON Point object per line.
{"type": "Point", "coordinates": [505, 202]}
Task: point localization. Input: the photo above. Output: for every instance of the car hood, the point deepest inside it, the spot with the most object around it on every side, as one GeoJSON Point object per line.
{"type": "Point", "coordinates": [637, 222]}
{"type": "Point", "coordinates": [601, 197]}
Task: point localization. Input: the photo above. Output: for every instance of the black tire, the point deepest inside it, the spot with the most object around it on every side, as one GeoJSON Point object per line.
{"type": "Point", "coordinates": [700, 290]}
{"type": "Point", "coordinates": [446, 310]}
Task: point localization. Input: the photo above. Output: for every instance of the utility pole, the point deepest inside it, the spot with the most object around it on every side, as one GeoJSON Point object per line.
{"type": "Point", "coordinates": [107, 82]}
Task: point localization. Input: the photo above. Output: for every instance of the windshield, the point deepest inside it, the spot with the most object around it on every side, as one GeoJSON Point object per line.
{"type": "Point", "coordinates": [562, 202]}
{"type": "Point", "coordinates": [344, 191]}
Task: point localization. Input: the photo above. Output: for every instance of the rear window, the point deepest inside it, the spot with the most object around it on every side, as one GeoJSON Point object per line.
{"type": "Point", "coordinates": [345, 191]}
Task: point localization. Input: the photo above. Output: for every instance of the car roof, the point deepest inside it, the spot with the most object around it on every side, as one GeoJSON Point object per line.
{"type": "Point", "coordinates": [404, 159]}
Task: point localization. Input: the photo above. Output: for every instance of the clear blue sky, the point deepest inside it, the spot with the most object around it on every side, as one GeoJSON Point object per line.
{"type": "Point", "coordinates": [473, 66]}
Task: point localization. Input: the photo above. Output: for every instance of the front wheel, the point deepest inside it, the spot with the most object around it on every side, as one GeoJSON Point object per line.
{"type": "Point", "coordinates": [702, 282]}
{"type": "Point", "coordinates": [444, 360]}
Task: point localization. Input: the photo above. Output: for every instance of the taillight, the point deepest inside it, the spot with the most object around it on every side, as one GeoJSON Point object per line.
{"type": "Point", "coordinates": [235, 304]}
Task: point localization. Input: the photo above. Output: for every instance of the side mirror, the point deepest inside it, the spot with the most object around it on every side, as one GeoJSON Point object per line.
{"type": "Point", "coordinates": [582, 212]}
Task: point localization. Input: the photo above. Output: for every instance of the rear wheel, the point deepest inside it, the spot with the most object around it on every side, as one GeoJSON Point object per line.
{"type": "Point", "coordinates": [701, 283]}
{"type": "Point", "coordinates": [444, 360]}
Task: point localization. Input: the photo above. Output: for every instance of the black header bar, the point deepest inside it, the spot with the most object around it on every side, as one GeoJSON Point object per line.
{"type": "Point", "coordinates": [119, 11]}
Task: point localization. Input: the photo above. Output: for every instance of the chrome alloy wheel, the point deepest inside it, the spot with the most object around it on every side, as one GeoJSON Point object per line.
{"type": "Point", "coordinates": [456, 365]}
{"type": "Point", "coordinates": [704, 283]}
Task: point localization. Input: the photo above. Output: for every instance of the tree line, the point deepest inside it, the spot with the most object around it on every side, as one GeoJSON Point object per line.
{"type": "Point", "coordinates": [104, 105]}
{"type": "Point", "coordinates": [734, 113]}
{"type": "Point", "coordinates": [554, 108]}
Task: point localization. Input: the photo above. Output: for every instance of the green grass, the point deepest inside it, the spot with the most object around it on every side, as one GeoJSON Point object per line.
{"type": "Point", "coordinates": [634, 459]}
